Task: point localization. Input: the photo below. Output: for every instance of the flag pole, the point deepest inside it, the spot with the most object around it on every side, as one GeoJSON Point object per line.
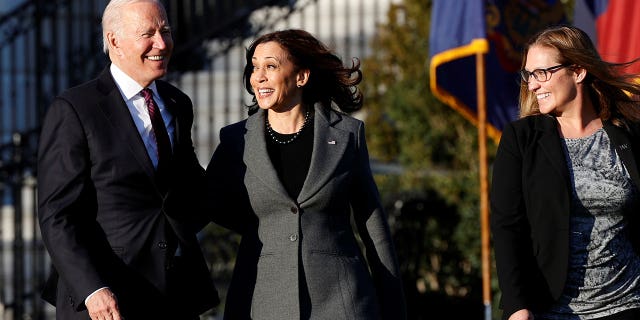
{"type": "Point", "coordinates": [484, 185]}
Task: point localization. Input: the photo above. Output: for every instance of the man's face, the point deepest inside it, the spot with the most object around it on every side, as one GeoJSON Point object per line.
{"type": "Point", "coordinates": [143, 46]}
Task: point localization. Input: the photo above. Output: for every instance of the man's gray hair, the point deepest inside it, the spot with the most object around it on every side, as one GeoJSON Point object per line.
{"type": "Point", "coordinates": [112, 20]}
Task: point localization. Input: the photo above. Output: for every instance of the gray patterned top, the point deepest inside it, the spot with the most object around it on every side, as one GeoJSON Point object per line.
{"type": "Point", "coordinates": [604, 271]}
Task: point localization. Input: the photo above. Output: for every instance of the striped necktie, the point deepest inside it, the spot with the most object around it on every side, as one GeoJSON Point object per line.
{"type": "Point", "coordinates": [160, 134]}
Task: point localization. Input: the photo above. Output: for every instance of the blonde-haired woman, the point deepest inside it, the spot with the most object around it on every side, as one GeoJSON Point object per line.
{"type": "Point", "coordinates": [565, 184]}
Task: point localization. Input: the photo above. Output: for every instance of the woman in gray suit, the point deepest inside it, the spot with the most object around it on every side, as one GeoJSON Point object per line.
{"type": "Point", "coordinates": [289, 178]}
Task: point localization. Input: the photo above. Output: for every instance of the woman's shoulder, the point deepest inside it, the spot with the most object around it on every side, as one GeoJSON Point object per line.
{"type": "Point", "coordinates": [533, 120]}
{"type": "Point", "coordinates": [350, 120]}
{"type": "Point", "coordinates": [234, 129]}
{"type": "Point", "coordinates": [533, 123]}
{"type": "Point", "coordinates": [634, 128]}
{"type": "Point", "coordinates": [529, 130]}
{"type": "Point", "coordinates": [341, 119]}
{"type": "Point", "coordinates": [235, 125]}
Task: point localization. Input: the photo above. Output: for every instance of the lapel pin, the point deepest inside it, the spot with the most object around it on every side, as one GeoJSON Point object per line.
{"type": "Point", "coordinates": [332, 142]}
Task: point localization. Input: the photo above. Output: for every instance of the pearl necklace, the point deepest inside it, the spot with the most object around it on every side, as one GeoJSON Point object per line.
{"type": "Point", "coordinates": [272, 133]}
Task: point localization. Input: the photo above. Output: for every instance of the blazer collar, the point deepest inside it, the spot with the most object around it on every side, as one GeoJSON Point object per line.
{"type": "Point", "coordinates": [550, 143]}
{"type": "Point", "coordinates": [329, 144]}
{"type": "Point", "coordinates": [622, 141]}
{"type": "Point", "coordinates": [117, 113]}
{"type": "Point", "coordinates": [171, 103]}
{"type": "Point", "coordinates": [256, 156]}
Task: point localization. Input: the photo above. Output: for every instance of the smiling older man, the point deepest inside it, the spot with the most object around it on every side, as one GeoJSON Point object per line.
{"type": "Point", "coordinates": [115, 167]}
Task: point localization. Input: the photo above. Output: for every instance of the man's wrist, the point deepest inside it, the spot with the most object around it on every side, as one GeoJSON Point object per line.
{"type": "Point", "coordinates": [93, 293]}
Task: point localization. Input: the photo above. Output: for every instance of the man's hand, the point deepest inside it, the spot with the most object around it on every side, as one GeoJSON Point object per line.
{"type": "Point", "coordinates": [102, 305]}
{"type": "Point", "coordinates": [522, 314]}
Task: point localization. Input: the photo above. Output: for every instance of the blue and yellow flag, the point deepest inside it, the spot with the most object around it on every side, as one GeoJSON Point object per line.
{"type": "Point", "coordinates": [461, 29]}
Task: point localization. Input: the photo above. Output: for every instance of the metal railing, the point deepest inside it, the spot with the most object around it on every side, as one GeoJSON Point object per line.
{"type": "Point", "coordinates": [47, 46]}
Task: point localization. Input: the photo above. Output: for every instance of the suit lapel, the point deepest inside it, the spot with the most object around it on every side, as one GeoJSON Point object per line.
{"type": "Point", "coordinates": [118, 115]}
{"type": "Point", "coordinates": [172, 106]}
{"type": "Point", "coordinates": [256, 156]}
{"type": "Point", "coordinates": [624, 148]}
{"type": "Point", "coordinates": [551, 145]}
{"type": "Point", "coordinates": [329, 145]}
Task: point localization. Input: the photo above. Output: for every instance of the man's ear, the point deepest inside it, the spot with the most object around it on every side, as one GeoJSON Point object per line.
{"type": "Point", "coordinates": [112, 42]}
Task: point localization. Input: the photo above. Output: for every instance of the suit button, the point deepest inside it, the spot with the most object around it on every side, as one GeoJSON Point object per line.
{"type": "Point", "coordinates": [294, 210]}
{"type": "Point", "coordinates": [162, 245]}
{"type": "Point", "coordinates": [293, 237]}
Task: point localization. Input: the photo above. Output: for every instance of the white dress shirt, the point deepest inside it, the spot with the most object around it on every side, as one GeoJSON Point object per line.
{"type": "Point", "coordinates": [130, 91]}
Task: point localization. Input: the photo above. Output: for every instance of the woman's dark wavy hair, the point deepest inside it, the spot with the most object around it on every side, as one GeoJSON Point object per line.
{"type": "Point", "coordinates": [615, 94]}
{"type": "Point", "coordinates": [329, 80]}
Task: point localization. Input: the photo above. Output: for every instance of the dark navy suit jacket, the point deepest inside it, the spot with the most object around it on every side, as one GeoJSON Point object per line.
{"type": "Point", "coordinates": [107, 218]}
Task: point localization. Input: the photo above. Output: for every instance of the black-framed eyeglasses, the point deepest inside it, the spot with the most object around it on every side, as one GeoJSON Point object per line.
{"type": "Point", "coordinates": [541, 75]}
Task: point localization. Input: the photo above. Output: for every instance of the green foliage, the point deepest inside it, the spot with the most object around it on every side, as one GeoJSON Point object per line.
{"type": "Point", "coordinates": [434, 201]}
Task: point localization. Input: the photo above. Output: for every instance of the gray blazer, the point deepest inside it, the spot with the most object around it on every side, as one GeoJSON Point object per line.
{"type": "Point", "coordinates": [299, 258]}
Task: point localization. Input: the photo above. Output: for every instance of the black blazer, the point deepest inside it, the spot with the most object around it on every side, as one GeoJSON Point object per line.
{"type": "Point", "coordinates": [530, 203]}
{"type": "Point", "coordinates": [107, 218]}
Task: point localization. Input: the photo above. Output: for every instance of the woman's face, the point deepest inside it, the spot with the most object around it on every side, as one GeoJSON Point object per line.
{"type": "Point", "coordinates": [558, 93]}
{"type": "Point", "coordinates": [275, 79]}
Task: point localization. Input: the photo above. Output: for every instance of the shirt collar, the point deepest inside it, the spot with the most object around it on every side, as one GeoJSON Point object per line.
{"type": "Point", "coordinates": [128, 87]}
